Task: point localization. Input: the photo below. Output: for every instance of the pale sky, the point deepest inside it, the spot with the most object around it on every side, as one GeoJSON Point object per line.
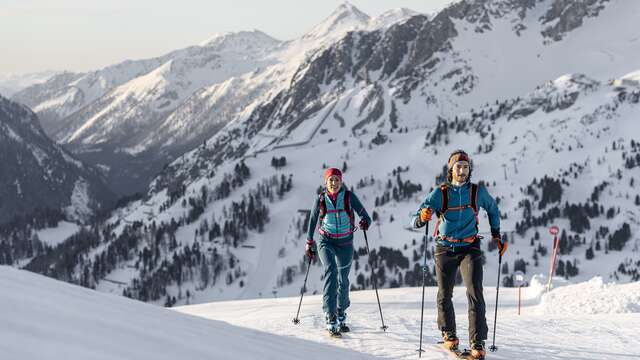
{"type": "Point", "coordinates": [83, 35]}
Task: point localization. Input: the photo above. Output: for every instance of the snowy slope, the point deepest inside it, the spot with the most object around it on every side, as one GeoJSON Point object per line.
{"type": "Point", "coordinates": [55, 235]}
{"type": "Point", "coordinates": [559, 329]}
{"type": "Point", "coordinates": [47, 319]}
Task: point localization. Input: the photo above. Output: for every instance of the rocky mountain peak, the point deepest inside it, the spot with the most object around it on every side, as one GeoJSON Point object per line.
{"type": "Point", "coordinates": [344, 16]}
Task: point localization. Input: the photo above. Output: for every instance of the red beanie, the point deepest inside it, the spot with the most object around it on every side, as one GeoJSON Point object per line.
{"type": "Point", "coordinates": [332, 171]}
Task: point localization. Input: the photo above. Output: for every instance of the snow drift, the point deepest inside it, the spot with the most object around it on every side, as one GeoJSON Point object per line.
{"type": "Point", "coordinates": [592, 297]}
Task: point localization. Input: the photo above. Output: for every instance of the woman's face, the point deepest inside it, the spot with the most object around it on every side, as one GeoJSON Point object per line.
{"type": "Point", "coordinates": [333, 184]}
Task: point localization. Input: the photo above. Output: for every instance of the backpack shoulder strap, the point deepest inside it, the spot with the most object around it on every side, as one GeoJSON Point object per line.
{"type": "Point", "coordinates": [347, 201]}
{"type": "Point", "coordinates": [323, 205]}
{"type": "Point", "coordinates": [347, 206]}
{"type": "Point", "coordinates": [474, 197]}
{"type": "Point", "coordinates": [474, 203]}
{"type": "Point", "coordinates": [443, 208]}
{"type": "Point", "coordinates": [445, 198]}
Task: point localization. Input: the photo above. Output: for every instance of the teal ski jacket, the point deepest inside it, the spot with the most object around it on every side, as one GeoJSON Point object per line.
{"type": "Point", "coordinates": [336, 223]}
{"type": "Point", "coordinates": [459, 224]}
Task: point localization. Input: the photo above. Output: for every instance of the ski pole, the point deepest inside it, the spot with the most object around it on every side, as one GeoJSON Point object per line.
{"type": "Point", "coordinates": [424, 272]}
{"type": "Point", "coordinates": [302, 290]}
{"type": "Point", "coordinates": [375, 286]}
{"type": "Point", "coordinates": [493, 347]}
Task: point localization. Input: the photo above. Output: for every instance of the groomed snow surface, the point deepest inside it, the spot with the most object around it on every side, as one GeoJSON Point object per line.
{"type": "Point", "coordinates": [48, 319]}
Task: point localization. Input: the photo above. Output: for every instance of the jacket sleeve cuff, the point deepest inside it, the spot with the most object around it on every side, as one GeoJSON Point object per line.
{"type": "Point", "coordinates": [310, 242]}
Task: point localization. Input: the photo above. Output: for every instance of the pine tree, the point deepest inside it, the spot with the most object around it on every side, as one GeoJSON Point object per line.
{"type": "Point", "coordinates": [507, 281]}
{"type": "Point", "coordinates": [560, 268]}
{"type": "Point", "coordinates": [589, 253]}
{"type": "Point", "coordinates": [520, 265]}
{"type": "Point", "coordinates": [204, 273]}
{"type": "Point", "coordinates": [505, 268]}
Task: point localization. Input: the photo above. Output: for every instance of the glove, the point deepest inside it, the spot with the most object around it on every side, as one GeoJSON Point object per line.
{"type": "Point", "coordinates": [364, 225]}
{"type": "Point", "coordinates": [502, 246]}
{"type": "Point", "coordinates": [425, 215]}
{"type": "Point", "coordinates": [309, 249]}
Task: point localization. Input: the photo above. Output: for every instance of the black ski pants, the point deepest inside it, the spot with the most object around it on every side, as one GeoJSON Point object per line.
{"type": "Point", "coordinates": [469, 260]}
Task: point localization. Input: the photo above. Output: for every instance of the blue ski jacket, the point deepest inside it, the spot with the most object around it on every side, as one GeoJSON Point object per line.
{"type": "Point", "coordinates": [462, 223]}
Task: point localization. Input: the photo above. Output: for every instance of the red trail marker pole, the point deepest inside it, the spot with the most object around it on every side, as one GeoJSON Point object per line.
{"type": "Point", "coordinates": [552, 268]}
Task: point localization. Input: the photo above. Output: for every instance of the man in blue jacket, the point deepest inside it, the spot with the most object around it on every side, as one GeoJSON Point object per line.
{"type": "Point", "coordinates": [456, 204]}
{"type": "Point", "coordinates": [334, 209]}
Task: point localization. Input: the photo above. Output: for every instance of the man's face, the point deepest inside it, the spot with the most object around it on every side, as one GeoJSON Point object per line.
{"type": "Point", "coordinates": [333, 184]}
{"type": "Point", "coordinates": [460, 171]}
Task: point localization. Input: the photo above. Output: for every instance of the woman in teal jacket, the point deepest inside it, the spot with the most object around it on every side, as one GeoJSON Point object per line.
{"type": "Point", "coordinates": [333, 212]}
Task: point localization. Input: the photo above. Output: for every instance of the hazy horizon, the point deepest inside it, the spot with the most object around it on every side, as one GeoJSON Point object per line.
{"type": "Point", "coordinates": [72, 35]}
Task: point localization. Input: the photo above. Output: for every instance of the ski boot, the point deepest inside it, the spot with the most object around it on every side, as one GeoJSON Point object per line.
{"type": "Point", "coordinates": [332, 325]}
{"type": "Point", "coordinates": [342, 319]}
{"type": "Point", "coordinates": [477, 350]}
{"type": "Point", "coordinates": [450, 340]}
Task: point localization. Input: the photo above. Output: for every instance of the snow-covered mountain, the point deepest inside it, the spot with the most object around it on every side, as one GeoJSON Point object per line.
{"type": "Point", "coordinates": [543, 94]}
{"type": "Point", "coordinates": [346, 16]}
{"type": "Point", "coordinates": [130, 112]}
{"type": "Point", "coordinates": [38, 174]}
{"type": "Point", "coordinates": [134, 117]}
{"type": "Point", "coordinates": [12, 83]}
{"type": "Point", "coordinates": [138, 126]}
{"type": "Point", "coordinates": [391, 17]}
{"type": "Point", "coordinates": [64, 94]}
